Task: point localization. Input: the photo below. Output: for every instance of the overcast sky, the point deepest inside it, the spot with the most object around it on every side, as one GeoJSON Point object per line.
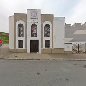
{"type": "Point", "coordinates": [72, 10]}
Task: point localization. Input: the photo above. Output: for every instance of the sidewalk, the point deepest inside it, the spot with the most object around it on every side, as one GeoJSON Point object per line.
{"type": "Point", "coordinates": [25, 56]}
{"type": "Point", "coordinates": [5, 54]}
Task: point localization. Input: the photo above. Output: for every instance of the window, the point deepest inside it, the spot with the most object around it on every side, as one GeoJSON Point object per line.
{"type": "Point", "coordinates": [20, 43]}
{"type": "Point", "coordinates": [33, 30]}
{"type": "Point", "coordinates": [20, 30]}
{"type": "Point", "coordinates": [47, 30]}
{"type": "Point", "coordinates": [47, 43]}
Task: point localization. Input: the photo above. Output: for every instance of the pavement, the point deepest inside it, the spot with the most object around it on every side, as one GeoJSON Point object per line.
{"type": "Point", "coordinates": [23, 69]}
{"type": "Point", "coordinates": [42, 73]}
{"type": "Point", "coordinates": [25, 56]}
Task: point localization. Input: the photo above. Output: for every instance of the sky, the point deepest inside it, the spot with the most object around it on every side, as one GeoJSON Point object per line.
{"type": "Point", "coordinates": [74, 11]}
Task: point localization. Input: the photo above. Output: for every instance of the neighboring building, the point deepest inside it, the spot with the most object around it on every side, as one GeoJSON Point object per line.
{"type": "Point", "coordinates": [4, 37]}
{"type": "Point", "coordinates": [36, 32]}
{"type": "Point", "coordinates": [75, 38]}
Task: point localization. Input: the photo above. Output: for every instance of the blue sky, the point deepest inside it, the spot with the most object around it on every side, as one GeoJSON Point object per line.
{"type": "Point", "coordinates": [72, 10]}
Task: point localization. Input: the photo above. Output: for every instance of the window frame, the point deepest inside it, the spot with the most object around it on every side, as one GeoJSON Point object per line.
{"type": "Point", "coordinates": [19, 46]}
{"type": "Point", "coordinates": [48, 43]}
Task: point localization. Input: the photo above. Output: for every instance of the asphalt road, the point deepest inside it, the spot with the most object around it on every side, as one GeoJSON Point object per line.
{"type": "Point", "coordinates": [42, 73]}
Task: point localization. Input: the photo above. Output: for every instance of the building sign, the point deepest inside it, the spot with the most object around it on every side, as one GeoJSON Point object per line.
{"type": "Point", "coordinates": [34, 14]}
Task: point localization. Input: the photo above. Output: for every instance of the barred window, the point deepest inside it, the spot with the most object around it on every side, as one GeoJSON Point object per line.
{"type": "Point", "coordinates": [47, 30]}
{"type": "Point", "coordinates": [20, 43]}
{"type": "Point", "coordinates": [47, 43]}
{"type": "Point", "coordinates": [33, 30]}
{"type": "Point", "coordinates": [20, 30]}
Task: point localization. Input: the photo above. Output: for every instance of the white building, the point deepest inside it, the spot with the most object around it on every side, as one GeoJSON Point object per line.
{"type": "Point", "coordinates": [36, 33]}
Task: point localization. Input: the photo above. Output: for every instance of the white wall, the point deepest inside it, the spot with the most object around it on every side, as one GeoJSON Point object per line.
{"type": "Point", "coordinates": [67, 40]}
{"type": "Point", "coordinates": [58, 32]}
{"type": "Point", "coordinates": [78, 42]}
{"type": "Point", "coordinates": [47, 38]}
{"type": "Point", "coordinates": [29, 23]}
{"type": "Point", "coordinates": [11, 32]}
{"type": "Point", "coordinates": [20, 38]}
{"type": "Point", "coordinates": [68, 47]}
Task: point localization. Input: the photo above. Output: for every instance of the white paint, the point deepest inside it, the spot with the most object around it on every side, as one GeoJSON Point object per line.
{"type": "Point", "coordinates": [80, 32]}
{"type": "Point", "coordinates": [58, 32]}
{"type": "Point", "coordinates": [78, 42]}
{"type": "Point", "coordinates": [47, 38]}
{"type": "Point", "coordinates": [67, 39]}
{"type": "Point", "coordinates": [29, 23]}
{"type": "Point", "coordinates": [20, 38]}
{"type": "Point", "coordinates": [11, 32]}
{"type": "Point", "coordinates": [68, 47]}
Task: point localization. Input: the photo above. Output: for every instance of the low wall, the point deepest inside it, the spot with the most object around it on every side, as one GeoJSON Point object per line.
{"type": "Point", "coordinates": [47, 51]}
{"type": "Point", "coordinates": [68, 52]}
{"type": "Point", "coordinates": [18, 50]}
{"type": "Point", "coordinates": [58, 50]}
{"type": "Point", "coordinates": [4, 51]}
{"type": "Point", "coordinates": [44, 51]}
{"type": "Point", "coordinates": [52, 51]}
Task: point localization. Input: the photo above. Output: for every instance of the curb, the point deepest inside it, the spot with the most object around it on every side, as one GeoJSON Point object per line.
{"type": "Point", "coordinates": [77, 60]}
{"type": "Point", "coordinates": [56, 59]}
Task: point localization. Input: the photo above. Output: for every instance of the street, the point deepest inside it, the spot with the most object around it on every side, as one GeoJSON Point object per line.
{"type": "Point", "coordinates": [42, 73]}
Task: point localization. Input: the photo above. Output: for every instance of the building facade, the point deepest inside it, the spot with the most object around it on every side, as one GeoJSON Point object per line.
{"type": "Point", "coordinates": [36, 33]}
